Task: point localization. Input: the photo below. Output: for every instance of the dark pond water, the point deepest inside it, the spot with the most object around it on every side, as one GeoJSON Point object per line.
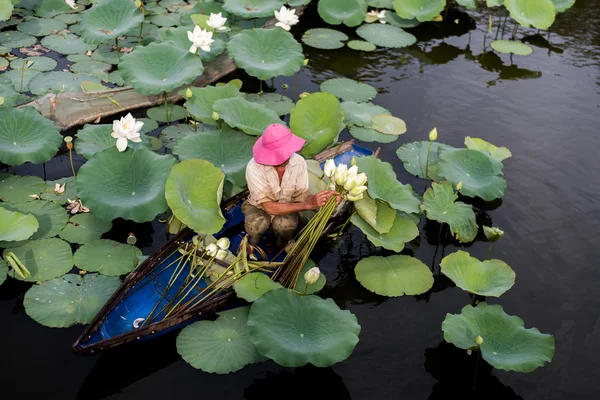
{"type": "Point", "coordinates": [545, 108]}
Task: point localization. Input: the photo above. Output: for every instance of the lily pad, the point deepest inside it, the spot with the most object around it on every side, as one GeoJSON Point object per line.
{"type": "Point", "coordinates": [324, 38]}
{"type": "Point", "coordinates": [45, 259]}
{"type": "Point", "coordinates": [376, 213]}
{"type": "Point", "coordinates": [439, 203]}
{"type": "Point", "coordinates": [348, 12]}
{"type": "Point", "coordinates": [252, 286]}
{"type": "Point", "coordinates": [15, 76]}
{"type": "Point", "coordinates": [107, 257]}
{"type": "Point", "coordinates": [6, 10]}
{"type": "Point", "coordinates": [95, 138]}
{"type": "Point", "coordinates": [14, 39]}
{"type": "Point", "coordinates": [295, 330]}
{"type": "Point", "coordinates": [200, 105]}
{"type": "Point", "coordinates": [3, 271]}
{"type": "Point", "coordinates": [301, 285]}
{"type": "Point", "coordinates": [318, 119]}
{"type": "Point", "coordinates": [389, 125]}
{"type": "Point", "coordinates": [361, 45]}
{"type": "Point", "coordinates": [266, 53]}
{"type": "Point", "coordinates": [16, 226]}
{"type": "Point", "coordinates": [511, 47]}
{"type": "Point", "coordinates": [480, 174]}
{"type": "Point", "coordinates": [179, 37]}
{"type": "Point", "coordinates": [497, 153]}
{"type": "Point", "coordinates": [194, 191]}
{"type": "Point", "coordinates": [26, 136]}
{"type": "Point", "coordinates": [104, 53]}
{"type": "Point", "coordinates": [95, 68]}
{"type": "Point", "coordinates": [383, 185]}
{"type": "Point", "coordinates": [41, 26]}
{"type": "Point", "coordinates": [51, 8]}
{"type": "Point", "coordinates": [84, 228]}
{"type": "Point", "coordinates": [485, 278]}
{"type": "Point", "coordinates": [66, 43]}
{"type": "Point", "coordinates": [16, 189]}
{"type": "Point", "coordinates": [37, 63]}
{"type": "Point", "coordinates": [414, 157]}
{"type": "Point", "coordinates": [51, 217]}
{"type": "Point", "coordinates": [380, 3]}
{"type": "Point", "coordinates": [371, 135]}
{"type": "Point", "coordinates": [349, 89]}
{"type": "Point", "coordinates": [394, 19]}
{"type": "Point", "coordinates": [423, 10]}
{"type": "Point", "coordinates": [537, 13]}
{"type": "Point", "coordinates": [90, 86]}
{"type": "Point", "coordinates": [59, 82]}
{"type": "Point", "coordinates": [68, 19]}
{"type": "Point", "coordinates": [280, 104]}
{"type": "Point", "coordinates": [109, 19]}
{"type": "Point", "coordinates": [394, 276]}
{"type": "Point", "coordinates": [252, 8]}
{"type": "Point", "coordinates": [507, 344]}
{"type": "Point", "coordinates": [172, 134]}
{"type": "Point", "coordinates": [563, 5]}
{"type": "Point", "coordinates": [403, 230]}
{"type": "Point", "coordinates": [69, 300]}
{"type": "Point", "coordinates": [159, 114]}
{"type": "Point", "coordinates": [249, 117]}
{"type": "Point", "coordinates": [159, 67]}
{"type": "Point", "coordinates": [129, 185]}
{"type": "Point", "coordinates": [361, 114]}
{"type": "Point", "coordinates": [60, 198]}
{"type": "Point", "coordinates": [228, 150]}
{"type": "Point", "coordinates": [222, 346]}
{"type": "Point", "coordinates": [384, 35]}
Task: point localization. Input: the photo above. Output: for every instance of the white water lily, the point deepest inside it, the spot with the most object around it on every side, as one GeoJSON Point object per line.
{"type": "Point", "coordinates": [350, 182]}
{"type": "Point", "coordinates": [71, 3]}
{"type": "Point", "coordinates": [361, 179]}
{"type": "Point", "coordinates": [329, 168]}
{"type": "Point", "coordinates": [286, 18]}
{"type": "Point", "coordinates": [200, 38]}
{"type": "Point", "coordinates": [58, 188]}
{"type": "Point", "coordinates": [217, 22]}
{"type": "Point", "coordinates": [312, 275]}
{"type": "Point", "coordinates": [212, 250]}
{"type": "Point", "coordinates": [373, 16]}
{"type": "Point", "coordinates": [223, 243]}
{"type": "Point", "coordinates": [221, 254]}
{"type": "Point", "coordinates": [341, 175]}
{"type": "Point", "coordinates": [127, 128]}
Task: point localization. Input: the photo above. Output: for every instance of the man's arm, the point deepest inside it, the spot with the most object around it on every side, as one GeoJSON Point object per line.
{"type": "Point", "coordinates": [312, 202]}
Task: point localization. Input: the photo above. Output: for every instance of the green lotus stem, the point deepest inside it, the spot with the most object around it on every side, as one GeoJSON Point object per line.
{"type": "Point", "coordinates": [476, 368]}
{"type": "Point", "coordinates": [72, 166]}
{"type": "Point", "coordinates": [514, 34]}
{"type": "Point", "coordinates": [195, 124]}
{"type": "Point", "coordinates": [440, 233]}
{"type": "Point", "coordinates": [166, 108]}
{"type": "Point", "coordinates": [141, 30]}
{"type": "Point", "coordinates": [117, 48]}
{"type": "Point", "coordinates": [22, 76]}
{"type": "Point", "coordinates": [260, 91]}
{"type": "Point", "coordinates": [487, 256]}
{"type": "Point", "coordinates": [135, 260]}
{"type": "Point", "coordinates": [254, 23]}
{"type": "Point", "coordinates": [427, 165]}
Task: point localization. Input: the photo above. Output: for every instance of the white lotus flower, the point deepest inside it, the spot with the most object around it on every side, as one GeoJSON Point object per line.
{"type": "Point", "coordinates": [350, 182]}
{"type": "Point", "coordinates": [127, 128]}
{"type": "Point", "coordinates": [341, 174]}
{"type": "Point", "coordinates": [221, 254]}
{"type": "Point", "coordinates": [312, 275]}
{"type": "Point", "coordinates": [373, 16]}
{"type": "Point", "coordinates": [58, 188]}
{"type": "Point", "coordinates": [212, 250]}
{"type": "Point", "coordinates": [223, 243]}
{"type": "Point", "coordinates": [355, 198]}
{"type": "Point", "coordinates": [71, 3]}
{"type": "Point", "coordinates": [353, 171]}
{"type": "Point", "coordinates": [217, 22]}
{"type": "Point", "coordinates": [361, 179]}
{"type": "Point", "coordinates": [286, 18]}
{"type": "Point", "coordinates": [358, 190]}
{"type": "Point", "coordinates": [200, 38]}
{"type": "Point", "coordinates": [329, 168]}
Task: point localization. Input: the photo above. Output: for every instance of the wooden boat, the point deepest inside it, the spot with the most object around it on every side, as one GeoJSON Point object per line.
{"type": "Point", "coordinates": [142, 289]}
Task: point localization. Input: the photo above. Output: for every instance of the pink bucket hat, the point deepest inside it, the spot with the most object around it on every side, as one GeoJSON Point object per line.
{"type": "Point", "coordinates": [276, 145]}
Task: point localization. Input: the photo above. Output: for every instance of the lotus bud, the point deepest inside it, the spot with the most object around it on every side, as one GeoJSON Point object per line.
{"type": "Point", "coordinates": [303, 95]}
{"type": "Point", "coordinates": [138, 3]}
{"type": "Point", "coordinates": [358, 190]}
{"type": "Point", "coordinates": [131, 239]}
{"type": "Point", "coordinates": [361, 179]}
{"type": "Point", "coordinates": [433, 135]}
{"type": "Point", "coordinates": [492, 234]}
{"type": "Point", "coordinates": [195, 240]}
{"type": "Point", "coordinates": [188, 93]}
{"type": "Point", "coordinates": [353, 171]}
{"type": "Point", "coordinates": [305, 63]}
{"type": "Point", "coordinates": [212, 250]}
{"type": "Point", "coordinates": [221, 254]}
{"type": "Point", "coordinates": [223, 243]}
{"type": "Point", "coordinates": [284, 86]}
{"type": "Point", "coordinates": [355, 198]}
{"type": "Point", "coordinates": [459, 186]}
{"type": "Point", "coordinates": [341, 175]}
{"type": "Point", "coordinates": [469, 352]}
{"type": "Point", "coordinates": [312, 275]}
{"type": "Point", "coordinates": [350, 182]}
{"type": "Point", "coordinates": [68, 139]}
{"type": "Point", "coordinates": [329, 168]}
{"type": "Point", "coordinates": [479, 340]}
{"type": "Point", "coordinates": [216, 116]}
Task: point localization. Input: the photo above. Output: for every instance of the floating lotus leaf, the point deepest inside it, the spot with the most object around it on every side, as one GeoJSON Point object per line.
{"type": "Point", "coordinates": [26, 136]}
{"type": "Point", "coordinates": [203, 99]}
{"type": "Point", "coordinates": [537, 13]}
{"type": "Point", "coordinates": [172, 134]}
{"type": "Point", "coordinates": [10, 96]}
{"type": "Point", "coordinates": [3, 63]}
{"type": "Point", "coordinates": [15, 76]}
{"type": "Point", "coordinates": [376, 213]}
{"type": "Point", "coordinates": [371, 135]}
{"type": "Point", "coordinates": [497, 153]}
{"type": "Point", "coordinates": [95, 138]}
{"type": "Point", "coordinates": [129, 185]}
{"type": "Point", "coordinates": [485, 278]}
{"type": "Point", "coordinates": [562, 5]}
{"type": "Point", "coordinates": [506, 343]}
{"type": "Point", "coordinates": [59, 82]}
{"type": "Point", "coordinates": [470, 4]}
{"type": "Point", "coordinates": [222, 346]}
{"type": "Point", "coordinates": [104, 53]}
{"type": "Point", "coordinates": [266, 53]}
{"type": "Point", "coordinates": [14, 39]}
{"type": "Point", "coordinates": [348, 12]}
{"type": "Point", "coordinates": [385, 35]}
{"type": "Point", "coordinates": [230, 151]}
{"type": "Point", "coordinates": [75, 28]}
{"type": "Point", "coordinates": [389, 125]}
{"type": "Point", "coordinates": [38, 63]}
{"type": "Point", "coordinates": [301, 285]}
{"type": "Point", "coordinates": [383, 185]}
{"type": "Point", "coordinates": [41, 26]}
{"type": "Point", "coordinates": [396, 20]}
{"type": "Point", "coordinates": [252, 8]}
{"type": "Point", "coordinates": [115, 77]}
{"type": "Point", "coordinates": [380, 3]}
{"type": "Point", "coordinates": [90, 86]}
{"type": "Point", "coordinates": [51, 8]}
{"type": "Point", "coordinates": [349, 89]}
{"type": "Point", "coordinates": [252, 286]}
{"type": "Point", "coordinates": [16, 189]}
{"type": "Point", "coordinates": [403, 230]}
{"type": "Point", "coordinates": [109, 19]}
{"type": "Point", "coordinates": [45, 259]}
{"type": "Point", "coordinates": [107, 257]}
{"type": "Point", "coordinates": [51, 217]}
{"type": "Point", "coordinates": [69, 300]}
{"type": "Point", "coordinates": [511, 47]}
{"type": "Point", "coordinates": [3, 271]}
{"type": "Point", "coordinates": [414, 157]}
{"type": "Point", "coordinates": [95, 68]}
{"type": "Point", "coordinates": [297, 3]}
{"type": "Point", "coordinates": [394, 276]}
{"type": "Point", "coordinates": [249, 117]}
{"type": "Point", "coordinates": [480, 174]}
{"type": "Point", "coordinates": [423, 10]}
{"type": "Point", "coordinates": [16, 226]}
{"type": "Point", "coordinates": [180, 38]}
{"type": "Point", "coordinates": [68, 19]}
{"type": "Point", "coordinates": [6, 9]}
{"type": "Point", "coordinates": [318, 119]}
{"type": "Point", "coordinates": [361, 114]}
{"type": "Point", "coordinates": [280, 104]}
{"type": "Point", "coordinates": [165, 20]}
{"type": "Point", "coordinates": [66, 43]}
{"type": "Point", "coordinates": [60, 198]}
{"type": "Point", "coordinates": [294, 330]}
{"type": "Point", "coordinates": [439, 203]}
{"type": "Point", "coordinates": [84, 228]}
{"type": "Point", "coordinates": [361, 45]}
{"type": "Point", "coordinates": [324, 38]}
{"type": "Point", "coordinates": [159, 114]}
{"type": "Point", "coordinates": [193, 191]}
{"type": "Point", "coordinates": [159, 67]}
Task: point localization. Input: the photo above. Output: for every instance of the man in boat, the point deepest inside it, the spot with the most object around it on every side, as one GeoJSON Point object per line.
{"type": "Point", "coordinates": [278, 184]}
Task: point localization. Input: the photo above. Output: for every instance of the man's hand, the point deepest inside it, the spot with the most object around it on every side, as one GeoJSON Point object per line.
{"type": "Point", "coordinates": [321, 198]}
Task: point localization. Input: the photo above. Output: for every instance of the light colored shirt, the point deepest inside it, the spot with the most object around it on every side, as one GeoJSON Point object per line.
{"type": "Point", "coordinates": [264, 185]}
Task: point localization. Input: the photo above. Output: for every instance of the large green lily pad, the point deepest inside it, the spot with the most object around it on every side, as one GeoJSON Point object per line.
{"type": "Point", "coordinates": [200, 105]}
{"type": "Point", "coordinates": [66, 43]}
{"type": "Point", "coordinates": [318, 119]}
{"type": "Point", "coordinates": [439, 203]}
{"type": "Point", "coordinates": [485, 278]}
{"type": "Point", "coordinates": [385, 35]}
{"type": "Point", "coordinates": [36, 63]}
{"type": "Point", "coordinates": [497, 153]}
{"type": "Point", "coordinates": [107, 257]}
{"type": "Point", "coordinates": [394, 276]}
{"type": "Point", "coordinates": [16, 226]}
{"type": "Point", "coordinates": [51, 8]}
{"type": "Point", "coordinates": [70, 191]}
{"type": "Point", "coordinates": [563, 5]}
{"type": "Point", "coordinates": [280, 104]}
{"type": "Point", "coordinates": [83, 228]}
{"type": "Point", "coordinates": [222, 346]}
{"type": "Point", "coordinates": [26, 136]}
{"type": "Point", "coordinates": [129, 185]}
{"type": "Point", "coordinates": [312, 288]}
{"type": "Point", "coordinates": [194, 190]}
{"type": "Point", "coordinates": [324, 38]}
{"type": "Point", "coordinates": [45, 259]}
{"type": "Point", "coordinates": [361, 45]}
{"type": "Point", "coordinates": [396, 20]}
{"type": "Point", "coordinates": [511, 47]}
{"type": "Point", "coordinates": [537, 13]}
{"type": "Point", "coordinates": [50, 216]}
{"type": "Point", "coordinates": [414, 157]}
{"type": "Point", "coordinates": [348, 12]}
{"type": "Point", "coordinates": [14, 39]}
{"type": "Point", "coordinates": [69, 300]}
{"type": "Point", "coordinates": [252, 8]}
{"type": "Point", "coordinates": [180, 38]}
{"type": "Point", "coordinates": [159, 114]}
{"type": "Point", "coordinates": [349, 89]}
{"type": "Point", "coordinates": [507, 344]}
{"type": "Point", "coordinates": [403, 230]}
{"type": "Point", "coordinates": [423, 10]}
{"type": "Point", "coordinates": [383, 185]}
{"type": "Point", "coordinates": [294, 330]}
{"type": "Point", "coordinates": [95, 138]}
{"type": "Point", "coordinates": [266, 53]}
{"type": "Point", "coordinates": [15, 77]}
{"type": "Point", "coordinates": [480, 174]}
{"type": "Point", "coordinates": [228, 150]}
{"type": "Point", "coordinates": [95, 68]}
{"type": "Point", "coordinates": [109, 19]}
{"type": "Point", "coordinates": [249, 117]}
{"type": "Point", "coordinates": [252, 286]}
{"type": "Point", "coordinates": [6, 9]}
{"type": "Point", "coordinates": [41, 26]}
{"type": "Point", "coordinates": [59, 82]}
{"type": "Point", "coordinates": [371, 135]}
{"type": "Point", "coordinates": [17, 189]}
{"type": "Point", "coordinates": [3, 271]}
{"type": "Point", "coordinates": [389, 125]}
{"type": "Point", "coordinates": [361, 114]}
{"type": "Point", "coordinates": [172, 134]}
{"type": "Point", "coordinates": [376, 213]}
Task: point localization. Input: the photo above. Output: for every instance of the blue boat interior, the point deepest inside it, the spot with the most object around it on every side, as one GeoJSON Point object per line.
{"type": "Point", "coordinates": [143, 297]}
